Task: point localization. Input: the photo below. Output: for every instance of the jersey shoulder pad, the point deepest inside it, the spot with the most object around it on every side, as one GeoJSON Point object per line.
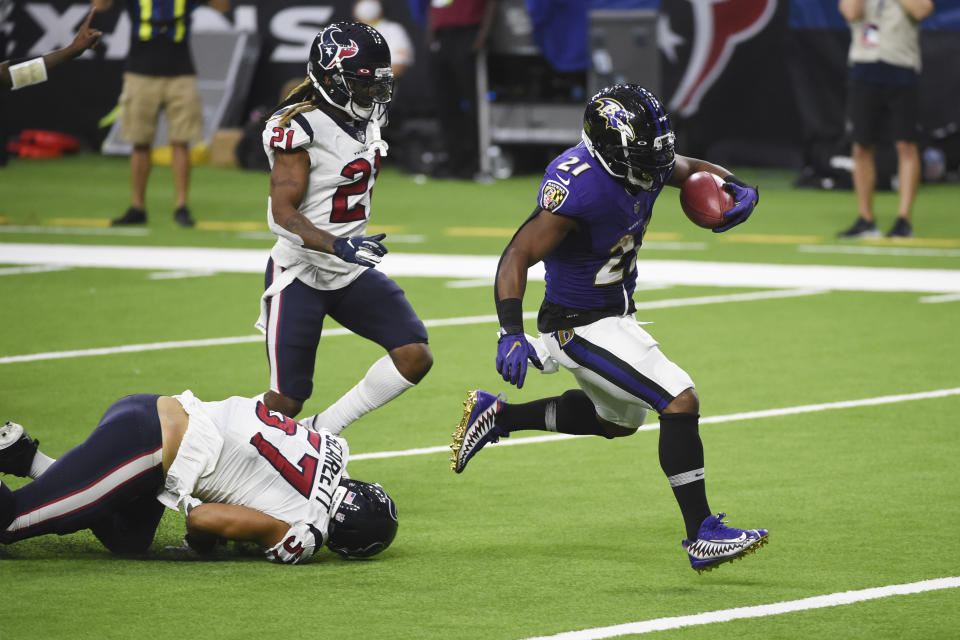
{"type": "Point", "coordinates": [296, 133]}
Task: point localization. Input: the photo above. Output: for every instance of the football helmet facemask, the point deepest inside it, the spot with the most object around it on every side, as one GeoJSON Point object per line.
{"type": "Point", "coordinates": [349, 66]}
{"type": "Point", "coordinates": [363, 520]}
{"type": "Point", "coordinates": [627, 129]}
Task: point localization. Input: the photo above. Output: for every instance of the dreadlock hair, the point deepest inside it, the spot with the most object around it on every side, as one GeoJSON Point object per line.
{"type": "Point", "coordinates": [302, 98]}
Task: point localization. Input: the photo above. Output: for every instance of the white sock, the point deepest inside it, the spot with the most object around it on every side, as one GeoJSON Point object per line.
{"type": "Point", "coordinates": [41, 463]}
{"type": "Point", "coordinates": [382, 384]}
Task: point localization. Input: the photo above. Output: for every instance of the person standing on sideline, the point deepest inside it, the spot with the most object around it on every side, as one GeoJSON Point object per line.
{"type": "Point", "coordinates": [324, 147]}
{"type": "Point", "coordinates": [595, 203]}
{"type": "Point", "coordinates": [159, 74]}
{"type": "Point", "coordinates": [882, 102]}
{"type": "Point", "coordinates": [457, 30]}
{"type": "Point", "coordinates": [401, 48]}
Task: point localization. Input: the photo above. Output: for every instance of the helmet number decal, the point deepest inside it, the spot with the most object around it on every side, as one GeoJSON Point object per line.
{"type": "Point", "coordinates": [360, 172]}
{"type": "Point", "coordinates": [282, 138]}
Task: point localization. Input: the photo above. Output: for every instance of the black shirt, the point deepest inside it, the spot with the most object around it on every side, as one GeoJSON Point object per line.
{"type": "Point", "coordinates": [159, 37]}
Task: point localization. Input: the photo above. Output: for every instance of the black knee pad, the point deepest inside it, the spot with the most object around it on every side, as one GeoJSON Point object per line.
{"type": "Point", "coordinates": [577, 414]}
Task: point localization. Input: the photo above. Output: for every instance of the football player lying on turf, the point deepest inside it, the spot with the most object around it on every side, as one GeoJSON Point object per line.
{"type": "Point", "coordinates": [237, 470]}
{"type": "Point", "coordinates": [594, 206]}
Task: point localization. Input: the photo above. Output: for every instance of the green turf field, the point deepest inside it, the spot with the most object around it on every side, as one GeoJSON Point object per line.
{"type": "Point", "coordinates": [854, 475]}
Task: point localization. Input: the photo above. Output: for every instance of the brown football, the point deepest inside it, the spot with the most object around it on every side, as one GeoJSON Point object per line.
{"type": "Point", "coordinates": [703, 199]}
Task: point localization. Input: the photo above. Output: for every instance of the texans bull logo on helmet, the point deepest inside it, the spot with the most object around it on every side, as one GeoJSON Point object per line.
{"type": "Point", "coordinates": [616, 116]}
{"type": "Point", "coordinates": [331, 51]}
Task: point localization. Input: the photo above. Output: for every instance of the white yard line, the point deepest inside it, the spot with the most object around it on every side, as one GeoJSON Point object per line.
{"type": "Point", "coordinates": [128, 348]}
{"type": "Point", "coordinates": [73, 231]}
{"type": "Point", "coordinates": [733, 417]}
{"type": "Point", "coordinates": [733, 297]}
{"type": "Point", "coordinates": [859, 250]}
{"type": "Point", "coordinates": [179, 275]}
{"type": "Point", "coordinates": [949, 297]}
{"type": "Point", "coordinates": [757, 611]}
{"type": "Point", "coordinates": [16, 271]}
{"type": "Point", "coordinates": [683, 272]}
{"type": "Point", "coordinates": [440, 322]}
{"type": "Point", "coordinates": [662, 245]}
{"type": "Point", "coordinates": [470, 283]}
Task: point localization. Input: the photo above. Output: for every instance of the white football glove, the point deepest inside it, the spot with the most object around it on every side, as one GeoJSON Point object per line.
{"type": "Point", "coordinates": [299, 543]}
{"type": "Point", "coordinates": [549, 364]}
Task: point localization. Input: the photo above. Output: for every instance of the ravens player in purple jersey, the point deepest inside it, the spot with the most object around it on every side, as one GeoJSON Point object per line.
{"type": "Point", "coordinates": [594, 206]}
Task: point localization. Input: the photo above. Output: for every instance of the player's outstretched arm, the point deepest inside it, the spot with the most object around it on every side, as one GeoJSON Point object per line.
{"type": "Point", "coordinates": [538, 236]}
{"type": "Point", "coordinates": [35, 71]}
{"type": "Point", "coordinates": [282, 543]}
{"type": "Point", "coordinates": [234, 522]}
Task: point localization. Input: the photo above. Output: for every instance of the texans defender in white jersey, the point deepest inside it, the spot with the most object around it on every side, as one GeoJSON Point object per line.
{"type": "Point", "coordinates": [594, 205]}
{"type": "Point", "coordinates": [236, 469]}
{"type": "Point", "coordinates": [324, 147]}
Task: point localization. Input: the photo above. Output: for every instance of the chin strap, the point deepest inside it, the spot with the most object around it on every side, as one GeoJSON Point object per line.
{"type": "Point", "coordinates": [629, 177]}
{"type": "Point", "coordinates": [378, 144]}
{"type": "Point", "coordinates": [589, 144]}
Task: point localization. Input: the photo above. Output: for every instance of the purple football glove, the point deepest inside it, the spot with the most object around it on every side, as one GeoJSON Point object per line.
{"type": "Point", "coordinates": [363, 250]}
{"type": "Point", "coordinates": [745, 198]}
{"type": "Point", "coordinates": [513, 351]}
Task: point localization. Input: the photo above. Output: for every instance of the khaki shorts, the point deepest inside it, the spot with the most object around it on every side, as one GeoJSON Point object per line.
{"type": "Point", "coordinates": [144, 96]}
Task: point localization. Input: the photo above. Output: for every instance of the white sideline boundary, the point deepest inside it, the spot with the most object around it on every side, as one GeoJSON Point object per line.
{"type": "Point", "coordinates": [757, 611]}
{"type": "Point", "coordinates": [439, 322]}
{"type": "Point", "coordinates": [677, 272]}
{"type": "Point", "coordinates": [653, 426]}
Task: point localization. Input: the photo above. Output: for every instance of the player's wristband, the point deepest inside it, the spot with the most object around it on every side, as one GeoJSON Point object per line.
{"type": "Point", "coordinates": [510, 314]}
{"type": "Point", "coordinates": [28, 73]}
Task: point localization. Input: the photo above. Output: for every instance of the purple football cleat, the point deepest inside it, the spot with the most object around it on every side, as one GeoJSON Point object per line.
{"type": "Point", "coordinates": [717, 543]}
{"type": "Point", "coordinates": [477, 428]}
